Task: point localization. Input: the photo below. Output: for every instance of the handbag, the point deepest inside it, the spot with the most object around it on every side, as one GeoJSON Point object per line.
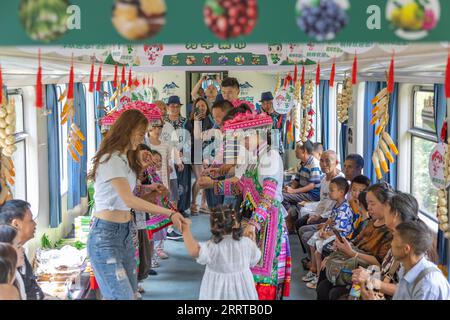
{"type": "Point", "coordinates": [339, 268]}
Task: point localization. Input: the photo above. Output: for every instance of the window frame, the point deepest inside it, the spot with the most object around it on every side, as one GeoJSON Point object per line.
{"type": "Point", "coordinates": [22, 135]}
{"type": "Point", "coordinates": [419, 133]}
{"type": "Point", "coordinates": [63, 171]}
{"type": "Point", "coordinates": [416, 89]}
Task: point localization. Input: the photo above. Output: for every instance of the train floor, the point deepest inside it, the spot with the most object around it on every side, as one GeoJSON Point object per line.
{"type": "Point", "coordinates": [179, 277]}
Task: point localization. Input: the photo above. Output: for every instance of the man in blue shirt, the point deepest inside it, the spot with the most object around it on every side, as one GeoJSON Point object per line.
{"type": "Point", "coordinates": [420, 279]}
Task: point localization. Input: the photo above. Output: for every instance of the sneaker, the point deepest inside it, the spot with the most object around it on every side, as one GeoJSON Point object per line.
{"type": "Point", "coordinates": [185, 214]}
{"type": "Point", "coordinates": [140, 289]}
{"type": "Point", "coordinates": [155, 263]}
{"type": "Point", "coordinates": [152, 272]}
{"type": "Point", "coordinates": [138, 296]}
{"type": "Point", "coordinates": [313, 283]}
{"type": "Point", "coordinates": [162, 254]}
{"type": "Point", "coordinates": [309, 276]}
{"type": "Point", "coordinates": [173, 235]}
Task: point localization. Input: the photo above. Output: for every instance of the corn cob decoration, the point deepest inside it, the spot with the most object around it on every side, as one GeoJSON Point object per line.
{"type": "Point", "coordinates": [385, 143]}
{"type": "Point", "coordinates": [298, 98]}
{"type": "Point", "coordinates": [75, 136]}
{"type": "Point", "coordinates": [277, 85]}
{"type": "Point", "coordinates": [344, 100]}
{"type": "Point", "coordinates": [7, 140]}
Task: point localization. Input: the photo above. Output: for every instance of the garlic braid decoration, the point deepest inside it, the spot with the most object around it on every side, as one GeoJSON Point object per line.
{"type": "Point", "coordinates": [344, 100]}
{"type": "Point", "coordinates": [307, 130]}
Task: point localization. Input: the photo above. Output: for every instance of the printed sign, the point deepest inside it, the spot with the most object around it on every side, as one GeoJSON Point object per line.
{"type": "Point", "coordinates": [436, 166]}
{"type": "Point", "coordinates": [284, 100]}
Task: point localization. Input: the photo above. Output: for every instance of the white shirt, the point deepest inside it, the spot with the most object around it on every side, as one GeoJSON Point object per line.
{"type": "Point", "coordinates": [106, 197]}
{"type": "Point", "coordinates": [228, 275]}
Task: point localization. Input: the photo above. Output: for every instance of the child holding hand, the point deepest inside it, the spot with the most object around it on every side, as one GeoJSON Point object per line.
{"type": "Point", "coordinates": [228, 257]}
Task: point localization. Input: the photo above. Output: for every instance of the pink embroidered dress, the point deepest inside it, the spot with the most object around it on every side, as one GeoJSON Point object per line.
{"type": "Point", "coordinates": [261, 187]}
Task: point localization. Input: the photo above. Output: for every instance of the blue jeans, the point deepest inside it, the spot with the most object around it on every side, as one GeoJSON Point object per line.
{"type": "Point", "coordinates": [112, 255]}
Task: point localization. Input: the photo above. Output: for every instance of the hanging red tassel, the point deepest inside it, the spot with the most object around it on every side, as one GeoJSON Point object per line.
{"type": "Point", "coordinates": [123, 82]}
{"type": "Point", "coordinates": [447, 78]}
{"type": "Point", "coordinates": [333, 73]}
{"type": "Point", "coordinates": [355, 70]}
{"type": "Point", "coordinates": [303, 76]}
{"type": "Point", "coordinates": [318, 74]}
{"type": "Point", "coordinates": [130, 79]}
{"type": "Point", "coordinates": [1, 85]}
{"type": "Point", "coordinates": [39, 98]}
{"type": "Point", "coordinates": [71, 82]}
{"type": "Point", "coordinates": [136, 83]}
{"type": "Point", "coordinates": [91, 78]}
{"type": "Point", "coordinates": [391, 76]}
{"type": "Point", "coordinates": [99, 79]}
{"type": "Point", "coordinates": [144, 82]}
{"type": "Point", "coordinates": [115, 77]}
{"type": "Point", "coordinates": [444, 132]}
{"type": "Point", "coordinates": [295, 74]}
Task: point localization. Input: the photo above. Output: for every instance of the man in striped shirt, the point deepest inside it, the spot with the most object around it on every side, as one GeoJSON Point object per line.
{"type": "Point", "coordinates": [306, 186]}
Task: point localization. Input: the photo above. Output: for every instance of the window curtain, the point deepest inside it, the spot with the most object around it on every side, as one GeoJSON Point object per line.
{"type": "Point", "coordinates": [78, 170]}
{"type": "Point", "coordinates": [370, 140]}
{"type": "Point", "coordinates": [99, 114]}
{"type": "Point", "coordinates": [51, 100]}
{"type": "Point", "coordinates": [343, 143]}
{"type": "Point", "coordinates": [440, 110]}
{"type": "Point", "coordinates": [440, 114]}
{"type": "Point", "coordinates": [324, 104]}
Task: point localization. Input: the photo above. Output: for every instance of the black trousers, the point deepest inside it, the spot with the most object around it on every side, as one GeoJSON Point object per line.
{"type": "Point", "coordinates": [184, 188]}
{"type": "Point", "coordinates": [327, 291]}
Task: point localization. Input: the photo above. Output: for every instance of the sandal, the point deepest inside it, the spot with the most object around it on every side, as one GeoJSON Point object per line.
{"type": "Point", "coordinates": [205, 210]}
{"type": "Point", "coordinates": [194, 210]}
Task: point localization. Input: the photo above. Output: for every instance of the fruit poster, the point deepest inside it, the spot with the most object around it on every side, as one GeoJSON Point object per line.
{"type": "Point", "coordinates": [150, 22]}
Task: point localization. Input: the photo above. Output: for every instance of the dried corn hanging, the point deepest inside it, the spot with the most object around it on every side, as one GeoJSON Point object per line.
{"type": "Point", "coordinates": [75, 137]}
{"type": "Point", "coordinates": [380, 118]}
{"type": "Point", "coordinates": [344, 100]}
{"type": "Point", "coordinates": [7, 140]}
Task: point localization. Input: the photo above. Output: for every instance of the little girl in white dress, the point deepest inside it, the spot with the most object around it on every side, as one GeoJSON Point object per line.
{"type": "Point", "coordinates": [228, 257]}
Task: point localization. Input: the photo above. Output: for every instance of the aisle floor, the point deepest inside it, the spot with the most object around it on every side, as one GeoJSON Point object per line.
{"type": "Point", "coordinates": [179, 277]}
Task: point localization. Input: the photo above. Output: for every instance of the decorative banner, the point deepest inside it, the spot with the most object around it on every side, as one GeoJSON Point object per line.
{"type": "Point", "coordinates": [356, 47]}
{"type": "Point", "coordinates": [316, 52]}
{"type": "Point", "coordinates": [333, 50]}
{"type": "Point", "coordinates": [390, 48]}
{"type": "Point", "coordinates": [275, 53]}
{"type": "Point", "coordinates": [436, 166]}
{"type": "Point", "coordinates": [124, 55]}
{"type": "Point", "coordinates": [284, 99]}
{"type": "Point", "coordinates": [294, 53]}
{"type": "Point", "coordinates": [45, 22]}
{"type": "Point", "coordinates": [413, 19]}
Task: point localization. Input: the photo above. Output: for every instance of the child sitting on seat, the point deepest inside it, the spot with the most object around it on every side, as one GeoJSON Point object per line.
{"type": "Point", "coordinates": [341, 219]}
{"type": "Point", "coordinates": [228, 258]}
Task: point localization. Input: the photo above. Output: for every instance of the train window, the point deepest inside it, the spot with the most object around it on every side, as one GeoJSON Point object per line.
{"type": "Point", "coordinates": [62, 143]}
{"type": "Point", "coordinates": [424, 109]}
{"type": "Point", "coordinates": [423, 141]}
{"type": "Point", "coordinates": [19, 190]}
{"type": "Point", "coordinates": [421, 185]}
